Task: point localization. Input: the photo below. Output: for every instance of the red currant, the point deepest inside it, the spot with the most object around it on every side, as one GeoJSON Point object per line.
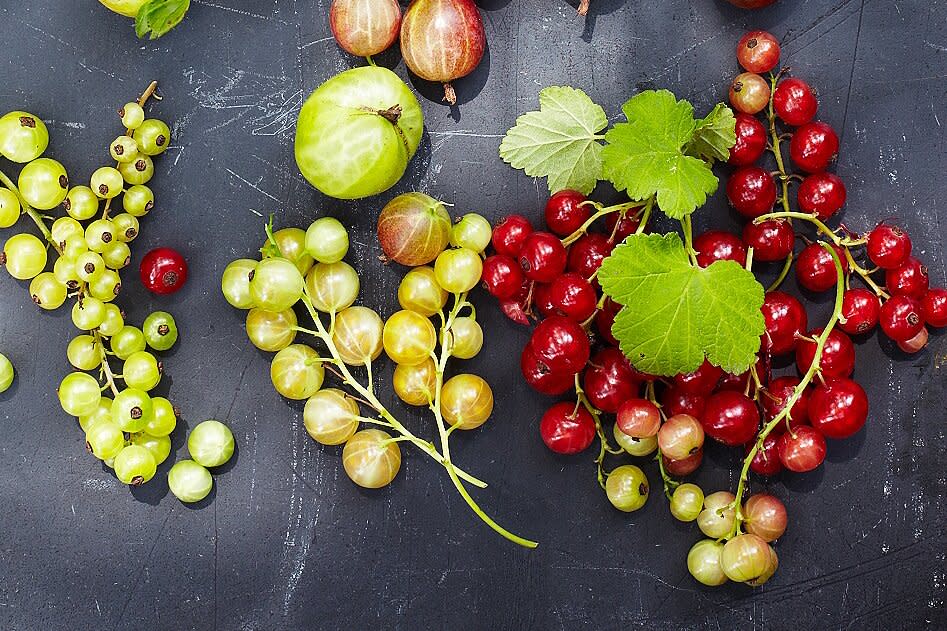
{"type": "Point", "coordinates": [622, 225]}
{"type": "Point", "coordinates": [540, 377]}
{"type": "Point", "coordinates": [509, 234]}
{"type": "Point", "coordinates": [588, 252]}
{"type": "Point", "coordinates": [681, 436]}
{"type": "Point", "coordinates": [605, 318]}
{"type": "Point", "coordinates": [719, 245]}
{"type": "Point", "coordinates": [785, 319]}
{"type": "Point", "coordinates": [573, 296]}
{"type": "Point", "coordinates": [813, 146]}
{"type": "Point", "coordinates": [542, 300]}
{"type": "Point", "coordinates": [751, 141]}
{"type": "Point", "coordinates": [502, 277]}
{"type": "Point", "coordinates": [766, 461]}
{"type": "Point", "coordinates": [567, 429]}
{"type": "Point", "coordinates": [910, 279]}
{"type": "Point", "coordinates": [776, 397]}
{"type": "Point", "coordinates": [515, 308]}
{"type": "Point", "coordinates": [163, 271]}
{"type": "Point", "coordinates": [751, 191]}
{"type": "Point", "coordinates": [758, 51]}
{"type": "Point", "coordinates": [916, 343]}
{"type": "Point", "coordinates": [609, 380]}
{"type": "Point", "coordinates": [731, 418]}
{"type": "Point", "coordinates": [684, 466]}
{"type": "Point", "coordinates": [815, 267]}
{"type": "Point", "coordinates": [561, 344]}
{"type": "Point", "coordinates": [821, 194]}
{"type": "Point", "coordinates": [639, 418]}
{"type": "Point", "coordinates": [802, 449]}
{"type": "Point", "coordinates": [771, 240]}
{"type": "Point", "coordinates": [934, 307]}
{"type": "Point", "coordinates": [542, 257]}
{"type": "Point", "coordinates": [741, 382]}
{"type": "Point", "coordinates": [888, 246]}
{"type": "Point", "coordinates": [860, 309]}
{"type": "Point", "coordinates": [838, 408]}
{"type": "Point", "coordinates": [749, 93]}
{"type": "Point", "coordinates": [701, 381]}
{"type": "Point", "coordinates": [675, 400]}
{"type": "Point", "coordinates": [565, 213]}
{"type": "Point", "coordinates": [794, 102]}
{"type": "Point", "coordinates": [901, 318]}
{"type": "Point", "coordinates": [838, 354]}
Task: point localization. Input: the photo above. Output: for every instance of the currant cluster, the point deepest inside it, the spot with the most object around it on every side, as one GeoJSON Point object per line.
{"type": "Point", "coordinates": [90, 241]}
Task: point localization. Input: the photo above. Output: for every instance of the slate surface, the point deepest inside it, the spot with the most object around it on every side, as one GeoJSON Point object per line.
{"type": "Point", "coordinates": [287, 541]}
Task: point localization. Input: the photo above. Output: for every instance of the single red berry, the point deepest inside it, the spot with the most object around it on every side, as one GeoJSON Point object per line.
{"type": "Point", "coordinates": [821, 194]}
{"type": "Point", "coordinates": [751, 191]}
{"type": "Point", "coordinates": [901, 318]}
{"type": "Point", "coordinates": [813, 146]}
{"type": "Point", "coordinates": [639, 418]}
{"type": "Point", "coordinates": [701, 381]}
{"type": "Point", "coordinates": [540, 377]}
{"type": "Point", "coordinates": [622, 225]}
{"type": "Point", "coordinates": [605, 318]}
{"type": "Point", "coordinates": [609, 380]}
{"type": "Point", "coordinates": [719, 245]}
{"type": "Point", "coordinates": [916, 343]}
{"type": "Point", "coordinates": [838, 354]}
{"type": "Point", "coordinates": [838, 408]}
{"type": "Point", "coordinates": [163, 271]}
{"type": "Point", "coordinates": [684, 466]}
{"type": "Point", "coordinates": [588, 252]}
{"type": "Point", "coordinates": [888, 246]}
{"type": "Point", "coordinates": [860, 309]}
{"type": "Point", "coordinates": [751, 140]}
{"type": "Point", "coordinates": [502, 276]}
{"type": "Point", "coordinates": [542, 300]}
{"type": "Point", "coordinates": [794, 102]}
{"type": "Point", "coordinates": [934, 307]}
{"type": "Point", "coordinates": [774, 399]}
{"type": "Point", "coordinates": [910, 279]}
{"type": "Point", "coordinates": [731, 418]}
{"type": "Point", "coordinates": [509, 234]}
{"type": "Point", "coordinates": [815, 267]}
{"type": "Point", "coordinates": [567, 428]}
{"type": "Point", "coordinates": [565, 213]}
{"type": "Point", "coordinates": [542, 257]}
{"type": "Point", "coordinates": [771, 240]}
{"type": "Point", "coordinates": [785, 320]}
{"type": "Point", "coordinates": [802, 449]}
{"type": "Point", "coordinates": [749, 93]}
{"type": "Point", "coordinates": [758, 51]}
{"type": "Point", "coordinates": [766, 461]}
{"type": "Point", "coordinates": [561, 344]}
{"type": "Point", "coordinates": [676, 400]}
{"type": "Point", "coordinates": [573, 296]}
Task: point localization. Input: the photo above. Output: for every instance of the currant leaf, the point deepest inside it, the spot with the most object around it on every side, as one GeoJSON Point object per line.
{"type": "Point", "coordinates": [560, 141]}
{"type": "Point", "coordinates": [714, 135]}
{"type": "Point", "coordinates": [157, 17]}
{"type": "Point", "coordinates": [674, 314]}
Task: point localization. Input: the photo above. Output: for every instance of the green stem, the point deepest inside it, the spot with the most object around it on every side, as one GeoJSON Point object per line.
{"type": "Point", "coordinates": [783, 273]}
{"type": "Point", "coordinates": [601, 212]}
{"type": "Point", "coordinates": [687, 227]}
{"type": "Point", "coordinates": [103, 356]}
{"type": "Point", "coordinates": [28, 210]}
{"type": "Point", "coordinates": [670, 484]}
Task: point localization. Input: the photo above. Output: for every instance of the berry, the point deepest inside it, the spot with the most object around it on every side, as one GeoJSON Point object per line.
{"type": "Point", "coordinates": [901, 318]}
{"type": "Point", "coordinates": [910, 279]}
{"type": "Point", "coordinates": [758, 51]}
{"type": "Point", "coordinates": [838, 354]}
{"type": "Point", "coordinates": [605, 318]}
{"type": "Point", "coordinates": [701, 381]}
{"type": "Point", "coordinates": [561, 344]}
{"type": "Point", "coordinates": [731, 418]}
{"type": "Point", "coordinates": [542, 257]}
{"type": "Point", "coordinates": [740, 382]}
{"type": "Point", "coordinates": [888, 246]}
{"type": "Point", "coordinates": [681, 436]}
{"type": "Point", "coordinates": [916, 343]}
{"type": "Point", "coordinates": [749, 93]}
{"type": "Point", "coordinates": [838, 408]}
{"type": "Point", "coordinates": [542, 300]}
{"type": "Point", "coordinates": [934, 307]}
{"type": "Point", "coordinates": [609, 380]}
{"type": "Point", "coordinates": [588, 252]}
{"type": "Point", "coordinates": [766, 461]}
{"type": "Point", "coordinates": [751, 191]}
{"type": "Point", "coordinates": [675, 400]}
{"type": "Point", "coordinates": [565, 213]}
{"type": "Point", "coordinates": [860, 310]}
{"type": "Point", "coordinates": [719, 245]}
{"type": "Point", "coordinates": [567, 429]}
{"type": "Point", "coordinates": [802, 449]}
{"type": "Point", "coordinates": [502, 276]}
{"type": "Point", "coordinates": [622, 225]}
{"type": "Point", "coordinates": [509, 234]}
{"type": "Point", "coordinates": [540, 377]}
{"type": "Point", "coordinates": [163, 271]}
{"type": "Point", "coordinates": [684, 466]}
{"type": "Point", "coordinates": [777, 395]}
{"type": "Point", "coordinates": [813, 146]}
{"type": "Point", "coordinates": [821, 194]}
{"type": "Point", "coordinates": [751, 141]}
{"type": "Point", "coordinates": [573, 296]}
{"type": "Point", "coordinates": [785, 319]}
{"type": "Point", "coordinates": [639, 418]}
{"type": "Point", "coordinates": [815, 267]}
{"type": "Point", "coordinates": [771, 240]}
{"type": "Point", "coordinates": [794, 102]}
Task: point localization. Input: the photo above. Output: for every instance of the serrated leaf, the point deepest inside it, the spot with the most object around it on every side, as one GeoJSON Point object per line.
{"type": "Point", "coordinates": [715, 135]}
{"type": "Point", "coordinates": [560, 141]}
{"type": "Point", "coordinates": [645, 156]}
{"type": "Point", "coordinates": [674, 314]}
{"type": "Point", "coordinates": [160, 16]}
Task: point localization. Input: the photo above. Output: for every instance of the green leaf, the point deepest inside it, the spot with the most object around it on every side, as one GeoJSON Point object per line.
{"type": "Point", "coordinates": [645, 156]}
{"type": "Point", "coordinates": [675, 314]}
{"type": "Point", "coordinates": [715, 134]}
{"type": "Point", "coordinates": [559, 141]}
{"type": "Point", "coordinates": [160, 16]}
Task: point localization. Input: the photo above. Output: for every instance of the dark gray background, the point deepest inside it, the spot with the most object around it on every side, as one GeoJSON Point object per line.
{"type": "Point", "coordinates": [288, 541]}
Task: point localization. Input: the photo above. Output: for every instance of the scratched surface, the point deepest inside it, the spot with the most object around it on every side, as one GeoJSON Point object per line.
{"type": "Point", "coordinates": [287, 541]}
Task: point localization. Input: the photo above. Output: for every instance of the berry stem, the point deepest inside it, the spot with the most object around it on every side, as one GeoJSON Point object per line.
{"type": "Point", "coordinates": [28, 210]}
{"type": "Point", "coordinates": [104, 360]}
{"type": "Point", "coordinates": [783, 273]}
{"type": "Point", "coordinates": [607, 210]}
{"type": "Point", "coordinates": [604, 447]}
{"type": "Point", "coordinates": [670, 484]}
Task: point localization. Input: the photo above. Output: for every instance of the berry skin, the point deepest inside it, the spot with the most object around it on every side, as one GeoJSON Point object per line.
{"type": "Point", "coordinates": [540, 377]}
{"type": "Point", "coordinates": [802, 449]}
{"type": "Point", "coordinates": [509, 234]}
{"type": "Point", "coordinates": [605, 318]}
{"type": "Point", "coordinates": [910, 279]}
{"type": "Point", "coordinates": [860, 309]}
{"type": "Point", "coordinates": [588, 252]}
{"type": "Point", "coordinates": [766, 461]}
{"type": "Point", "coordinates": [639, 418]}
{"type": "Point", "coordinates": [758, 51]}
{"type": "Point", "coordinates": [542, 257]}
{"type": "Point", "coordinates": [163, 271]}
{"type": "Point", "coordinates": [567, 429]}
{"type": "Point", "coordinates": [838, 354]}
{"type": "Point", "coordinates": [609, 380]}
{"type": "Point", "coordinates": [934, 307]}
{"type": "Point", "coordinates": [813, 146]}
{"type": "Point", "coordinates": [751, 141]}
{"type": "Point", "coordinates": [622, 225]}
{"type": "Point", "coordinates": [888, 246]}
{"type": "Point", "coordinates": [502, 276]}
{"type": "Point", "coordinates": [731, 418]}
{"type": "Point", "coordinates": [564, 212]}
{"type": "Point", "coordinates": [543, 301]}
{"type": "Point", "coordinates": [751, 191]}
{"type": "Point", "coordinates": [573, 297]}
{"type": "Point", "coordinates": [719, 245]}
{"type": "Point", "coordinates": [794, 102]}
{"type": "Point", "coordinates": [684, 466]}
{"type": "Point", "coordinates": [701, 381]}
{"type": "Point", "coordinates": [838, 408]}
{"type": "Point", "coordinates": [561, 344]}
{"type": "Point", "coordinates": [815, 268]}
{"type": "Point", "coordinates": [916, 343]}
{"type": "Point", "coordinates": [785, 319]}
{"type": "Point", "coordinates": [771, 240]}
{"type": "Point", "coordinates": [901, 318]}
{"type": "Point", "coordinates": [822, 194]}
{"type": "Point", "coordinates": [749, 93]}
{"type": "Point", "coordinates": [778, 393]}
{"type": "Point", "coordinates": [675, 400]}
